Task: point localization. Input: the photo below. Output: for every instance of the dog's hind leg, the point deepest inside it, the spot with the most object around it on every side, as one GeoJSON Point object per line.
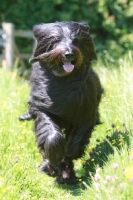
{"type": "Point", "coordinates": [77, 141]}
{"type": "Point", "coordinates": [50, 139]}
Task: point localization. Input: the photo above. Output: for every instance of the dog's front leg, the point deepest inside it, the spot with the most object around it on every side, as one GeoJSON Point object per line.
{"type": "Point", "coordinates": [66, 172]}
{"type": "Point", "coordinates": [77, 141]}
{"type": "Point", "coordinates": [50, 139]}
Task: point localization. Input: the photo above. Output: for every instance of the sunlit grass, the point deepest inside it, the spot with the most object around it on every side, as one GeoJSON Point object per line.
{"type": "Point", "coordinates": [103, 177]}
{"type": "Point", "coordinates": [117, 117]}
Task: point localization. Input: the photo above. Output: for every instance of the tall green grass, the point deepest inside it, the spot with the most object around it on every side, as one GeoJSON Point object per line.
{"type": "Point", "coordinates": [20, 178]}
{"type": "Point", "coordinates": [115, 179]}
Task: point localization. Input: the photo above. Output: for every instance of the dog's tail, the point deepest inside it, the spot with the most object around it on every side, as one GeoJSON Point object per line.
{"type": "Point", "coordinates": [50, 140]}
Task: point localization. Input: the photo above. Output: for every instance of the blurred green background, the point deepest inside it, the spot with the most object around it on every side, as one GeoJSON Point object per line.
{"type": "Point", "coordinates": [111, 21]}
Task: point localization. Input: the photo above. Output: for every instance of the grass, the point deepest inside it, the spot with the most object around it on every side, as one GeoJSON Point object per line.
{"type": "Point", "coordinates": [107, 171]}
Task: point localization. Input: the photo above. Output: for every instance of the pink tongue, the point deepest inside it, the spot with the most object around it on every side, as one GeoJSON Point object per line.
{"type": "Point", "coordinates": [68, 66]}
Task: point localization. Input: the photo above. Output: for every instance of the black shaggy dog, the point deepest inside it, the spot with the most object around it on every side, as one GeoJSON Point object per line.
{"type": "Point", "coordinates": [65, 95]}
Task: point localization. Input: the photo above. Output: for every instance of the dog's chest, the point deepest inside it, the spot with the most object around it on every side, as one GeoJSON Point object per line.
{"type": "Point", "coordinates": [68, 100]}
{"type": "Point", "coordinates": [71, 100]}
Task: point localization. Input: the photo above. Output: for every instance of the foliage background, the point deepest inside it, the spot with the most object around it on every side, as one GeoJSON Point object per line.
{"type": "Point", "coordinates": [110, 21]}
{"type": "Point", "coordinates": [111, 26]}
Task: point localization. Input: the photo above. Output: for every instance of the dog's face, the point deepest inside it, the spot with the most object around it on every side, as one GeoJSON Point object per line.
{"type": "Point", "coordinates": [64, 46]}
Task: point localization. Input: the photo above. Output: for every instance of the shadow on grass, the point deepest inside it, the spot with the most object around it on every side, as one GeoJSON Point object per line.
{"type": "Point", "coordinates": [98, 156]}
{"type": "Point", "coordinates": [115, 139]}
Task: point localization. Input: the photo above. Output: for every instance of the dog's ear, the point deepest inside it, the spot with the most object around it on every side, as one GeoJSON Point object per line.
{"type": "Point", "coordinates": [37, 30]}
{"type": "Point", "coordinates": [92, 50]}
{"type": "Point", "coordinates": [40, 30]}
{"type": "Point", "coordinates": [91, 47]}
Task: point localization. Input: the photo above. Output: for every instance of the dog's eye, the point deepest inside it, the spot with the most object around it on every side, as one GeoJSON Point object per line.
{"type": "Point", "coordinates": [75, 40]}
{"type": "Point", "coordinates": [77, 37]}
{"type": "Point", "coordinates": [81, 36]}
{"type": "Point", "coordinates": [84, 35]}
{"type": "Point", "coordinates": [55, 40]}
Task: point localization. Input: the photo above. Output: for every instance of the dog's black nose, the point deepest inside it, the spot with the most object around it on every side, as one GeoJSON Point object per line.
{"type": "Point", "coordinates": [69, 56]}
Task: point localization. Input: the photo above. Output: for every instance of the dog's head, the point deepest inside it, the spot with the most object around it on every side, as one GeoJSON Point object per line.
{"type": "Point", "coordinates": [64, 46]}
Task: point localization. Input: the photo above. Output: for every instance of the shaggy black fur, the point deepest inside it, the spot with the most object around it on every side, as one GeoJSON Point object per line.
{"type": "Point", "coordinates": [65, 95]}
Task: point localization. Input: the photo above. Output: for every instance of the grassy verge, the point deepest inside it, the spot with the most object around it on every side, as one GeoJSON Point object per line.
{"type": "Point", "coordinates": [107, 171]}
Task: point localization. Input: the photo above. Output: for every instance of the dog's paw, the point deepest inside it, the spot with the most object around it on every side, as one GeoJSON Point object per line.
{"type": "Point", "coordinates": [67, 176]}
{"type": "Point", "coordinates": [71, 180]}
{"type": "Point", "coordinates": [49, 170]}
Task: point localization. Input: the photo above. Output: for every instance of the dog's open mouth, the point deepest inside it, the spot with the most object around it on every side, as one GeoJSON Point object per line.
{"type": "Point", "coordinates": [68, 66]}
